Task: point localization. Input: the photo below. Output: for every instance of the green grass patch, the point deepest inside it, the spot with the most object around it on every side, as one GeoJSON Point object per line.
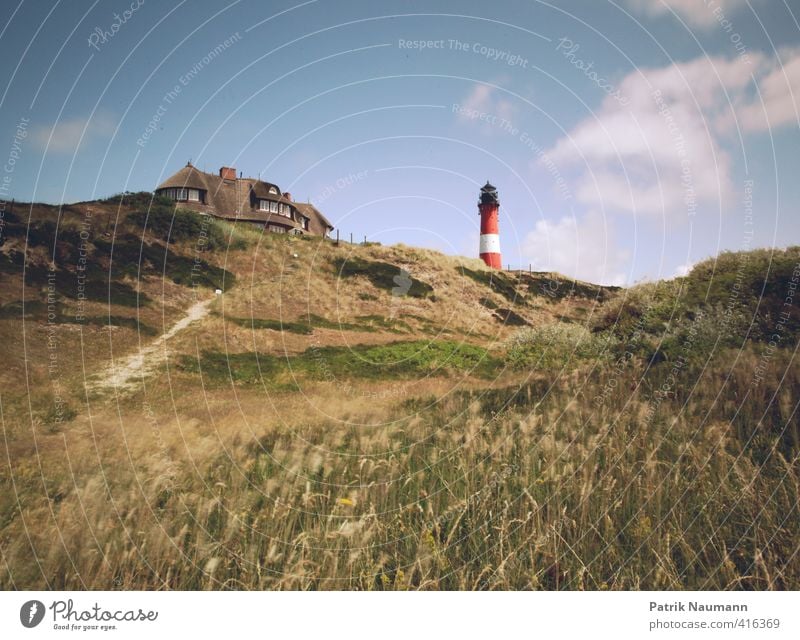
{"type": "Point", "coordinates": [397, 360]}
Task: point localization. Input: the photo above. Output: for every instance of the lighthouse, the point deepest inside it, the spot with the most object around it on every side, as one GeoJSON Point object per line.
{"type": "Point", "coordinates": [488, 205]}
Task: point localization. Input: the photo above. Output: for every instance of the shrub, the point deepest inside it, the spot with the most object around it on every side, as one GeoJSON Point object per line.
{"type": "Point", "coordinates": [180, 225]}
{"type": "Point", "coordinates": [553, 345]}
{"type": "Point", "coordinates": [137, 199]}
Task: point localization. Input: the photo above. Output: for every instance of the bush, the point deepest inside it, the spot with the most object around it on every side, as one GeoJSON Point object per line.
{"type": "Point", "coordinates": [137, 199]}
{"type": "Point", "coordinates": [646, 308]}
{"type": "Point", "coordinates": [553, 345]}
{"type": "Point", "coordinates": [180, 225]}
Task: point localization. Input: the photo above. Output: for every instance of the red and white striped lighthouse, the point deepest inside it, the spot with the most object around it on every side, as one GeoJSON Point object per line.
{"type": "Point", "coordinates": [488, 206]}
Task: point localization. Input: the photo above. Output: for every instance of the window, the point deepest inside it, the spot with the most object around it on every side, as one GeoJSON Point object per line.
{"type": "Point", "coordinates": [273, 207]}
{"type": "Point", "coordinates": [273, 190]}
{"type": "Point", "coordinates": [263, 205]}
{"type": "Point", "coordinates": [173, 194]}
{"type": "Point", "coordinates": [182, 194]}
{"type": "Point", "coordinates": [305, 224]}
{"type": "Point", "coordinates": [276, 229]}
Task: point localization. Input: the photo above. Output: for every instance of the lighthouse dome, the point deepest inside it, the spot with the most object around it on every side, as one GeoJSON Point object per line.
{"type": "Point", "coordinates": [489, 193]}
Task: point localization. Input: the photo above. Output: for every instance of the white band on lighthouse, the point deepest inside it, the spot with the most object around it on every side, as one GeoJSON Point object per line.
{"type": "Point", "coordinates": [490, 243]}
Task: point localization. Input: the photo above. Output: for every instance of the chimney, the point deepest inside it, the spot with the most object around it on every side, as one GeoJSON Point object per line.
{"type": "Point", "coordinates": [227, 173]}
{"type": "Point", "coordinates": [287, 195]}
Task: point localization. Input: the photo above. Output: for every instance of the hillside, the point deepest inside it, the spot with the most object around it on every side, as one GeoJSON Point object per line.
{"type": "Point", "coordinates": [370, 417]}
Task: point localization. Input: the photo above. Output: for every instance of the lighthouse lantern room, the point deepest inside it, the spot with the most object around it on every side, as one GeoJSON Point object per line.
{"type": "Point", "coordinates": [488, 206]}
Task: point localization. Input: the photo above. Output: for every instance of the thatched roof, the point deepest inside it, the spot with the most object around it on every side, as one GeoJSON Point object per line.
{"type": "Point", "coordinates": [318, 223]}
{"type": "Point", "coordinates": [261, 190]}
{"type": "Point", "coordinates": [189, 177]}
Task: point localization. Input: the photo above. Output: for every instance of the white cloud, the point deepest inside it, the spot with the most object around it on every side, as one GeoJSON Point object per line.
{"type": "Point", "coordinates": [683, 270]}
{"type": "Point", "coordinates": [66, 136]}
{"type": "Point", "coordinates": [698, 13]}
{"type": "Point", "coordinates": [779, 89]}
{"type": "Point", "coordinates": [485, 106]}
{"type": "Point", "coordinates": [583, 249]}
{"type": "Point", "coordinates": [664, 152]}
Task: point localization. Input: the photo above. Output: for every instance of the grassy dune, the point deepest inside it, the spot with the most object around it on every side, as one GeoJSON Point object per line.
{"type": "Point", "coordinates": [362, 417]}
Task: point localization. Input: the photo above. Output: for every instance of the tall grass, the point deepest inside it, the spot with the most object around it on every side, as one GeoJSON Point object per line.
{"type": "Point", "coordinates": [550, 484]}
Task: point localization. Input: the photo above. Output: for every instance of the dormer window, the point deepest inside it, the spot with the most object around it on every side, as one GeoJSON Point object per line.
{"type": "Point", "coordinates": [183, 194]}
{"type": "Point", "coordinates": [273, 190]}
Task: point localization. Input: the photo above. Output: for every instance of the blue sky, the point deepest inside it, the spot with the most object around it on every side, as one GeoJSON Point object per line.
{"type": "Point", "coordinates": [628, 140]}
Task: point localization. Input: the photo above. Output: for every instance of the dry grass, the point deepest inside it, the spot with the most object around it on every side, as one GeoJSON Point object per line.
{"type": "Point", "coordinates": [449, 487]}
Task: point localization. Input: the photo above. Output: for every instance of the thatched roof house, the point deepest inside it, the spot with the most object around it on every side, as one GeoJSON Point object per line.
{"type": "Point", "coordinates": [244, 199]}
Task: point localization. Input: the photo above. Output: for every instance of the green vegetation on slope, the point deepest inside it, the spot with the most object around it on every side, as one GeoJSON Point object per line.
{"type": "Point", "coordinates": [403, 360]}
{"type": "Point", "coordinates": [728, 302]}
{"type": "Point", "coordinates": [82, 263]}
{"type": "Point", "coordinates": [555, 345]}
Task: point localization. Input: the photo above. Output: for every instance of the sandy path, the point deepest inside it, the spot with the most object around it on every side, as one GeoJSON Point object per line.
{"type": "Point", "coordinates": [123, 374]}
